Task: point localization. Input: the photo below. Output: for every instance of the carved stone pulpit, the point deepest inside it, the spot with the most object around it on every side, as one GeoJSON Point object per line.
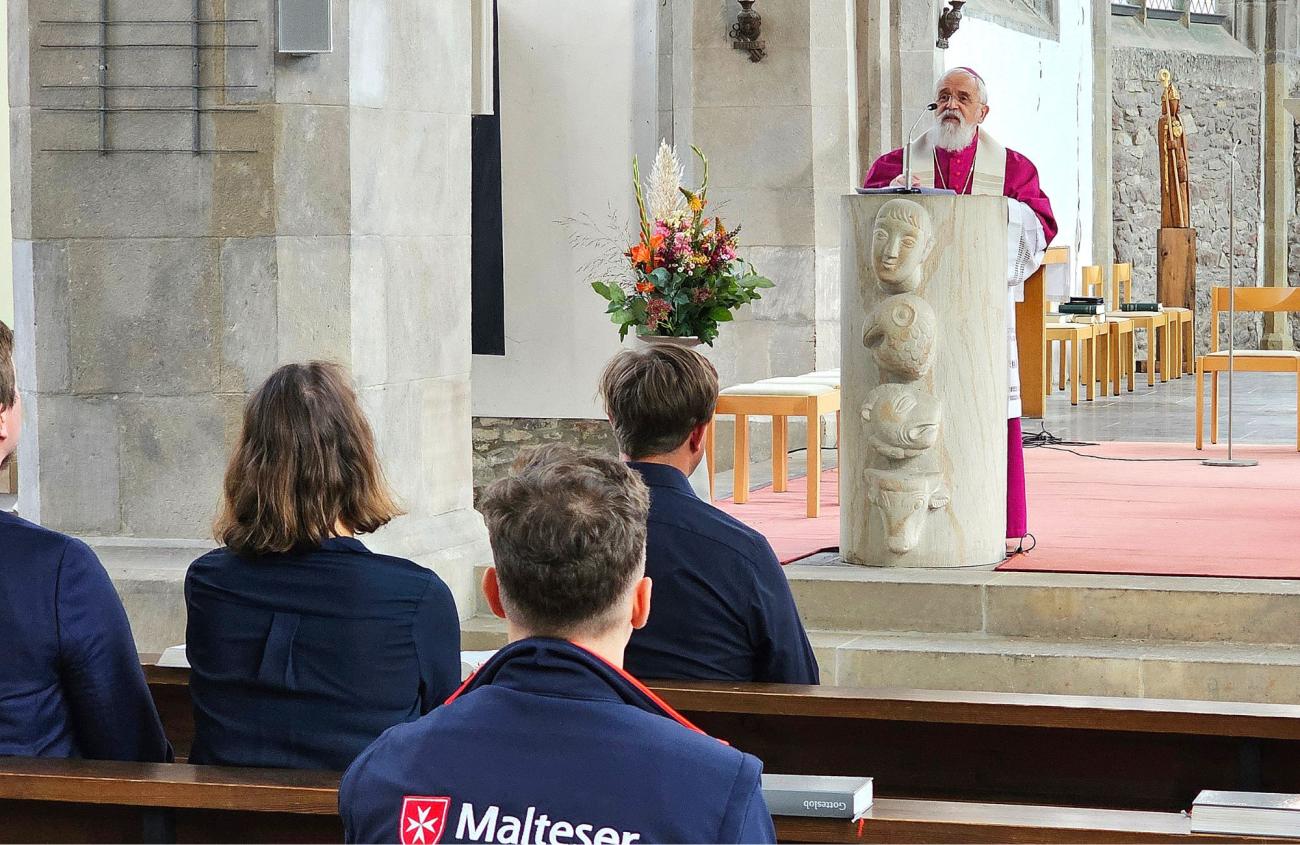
{"type": "Point", "coordinates": [923, 465]}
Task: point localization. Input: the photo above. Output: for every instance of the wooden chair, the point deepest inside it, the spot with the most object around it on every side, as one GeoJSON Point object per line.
{"type": "Point", "coordinates": [1267, 299]}
{"type": "Point", "coordinates": [1155, 324]}
{"type": "Point", "coordinates": [778, 399]}
{"type": "Point", "coordinates": [1080, 341]}
{"type": "Point", "coordinates": [1120, 348]}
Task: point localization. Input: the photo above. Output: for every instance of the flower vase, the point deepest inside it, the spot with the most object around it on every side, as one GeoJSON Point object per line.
{"type": "Point", "coordinates": [665, 340]}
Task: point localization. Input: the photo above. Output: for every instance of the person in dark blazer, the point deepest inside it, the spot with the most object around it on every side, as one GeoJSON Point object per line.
{"type": "Point", "coordinates": [723, 607]}
{"type": "Point", "coordinates": [305, 645]}
{"type": "Point", "coordinates": [70, 678]}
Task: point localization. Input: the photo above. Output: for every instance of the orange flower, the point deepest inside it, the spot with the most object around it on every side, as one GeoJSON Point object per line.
{"type": "Point", "coordinates": [696, 204]}
{"type": "Point", "coordinates": [643, 255]}
{"type": "Point", "coordinates": [645, 287]}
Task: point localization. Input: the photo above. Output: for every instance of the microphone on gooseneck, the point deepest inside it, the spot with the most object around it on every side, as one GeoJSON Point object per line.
{"type": "Point", "coordinates": [907, 150]}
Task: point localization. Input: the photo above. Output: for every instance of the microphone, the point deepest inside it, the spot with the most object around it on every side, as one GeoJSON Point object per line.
{"type": "Point", "coordinates": [907, 150]}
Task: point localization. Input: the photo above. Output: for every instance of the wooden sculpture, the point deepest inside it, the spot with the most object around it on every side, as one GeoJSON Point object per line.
{"type": "Point", "coordinates": [1175, 197]}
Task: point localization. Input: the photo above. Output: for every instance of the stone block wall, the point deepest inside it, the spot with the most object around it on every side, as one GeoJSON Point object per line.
{"type": "Point", "coordinates": [155, 290]}
{"type": "Point", "coordinates": [499, 441]}
{"type": "Point", "coordinates": [1220, 82]}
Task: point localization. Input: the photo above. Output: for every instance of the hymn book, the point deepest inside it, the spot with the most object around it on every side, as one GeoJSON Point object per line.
{"type": "Point", "coordinates": [1246, 813]}
{"type": "Point", "coordinates": [816, 795]}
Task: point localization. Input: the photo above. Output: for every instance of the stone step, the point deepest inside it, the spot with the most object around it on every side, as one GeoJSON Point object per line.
{"type": "Point", "coordinates": [1269, 674]}
{"type": "Point", "coordinates": [957, 661]}
{"type": "Point", "coordinates": [482, 632]}
{"type": "Point", "coordinates": [1047, 606]}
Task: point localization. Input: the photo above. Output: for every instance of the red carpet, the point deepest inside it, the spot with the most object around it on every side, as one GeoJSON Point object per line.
{"type": "Point", "coordinates": [1169, 518]}
{"type": "Point", "coordinates": [1127, 517]}
{"type": "Point", "coordinates": [780, 517]}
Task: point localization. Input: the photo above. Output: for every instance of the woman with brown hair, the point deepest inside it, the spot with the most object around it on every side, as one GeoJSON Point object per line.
{"type": "Point", "coordinates": [303, 644]}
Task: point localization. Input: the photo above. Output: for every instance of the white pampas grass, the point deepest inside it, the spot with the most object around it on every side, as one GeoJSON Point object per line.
{"type": "Point", "coordinates": [662, 192]}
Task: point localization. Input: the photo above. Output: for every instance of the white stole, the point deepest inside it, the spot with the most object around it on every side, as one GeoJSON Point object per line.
{"type": "Point", "coordinates": [990, 167]}
{"type": "Point", "coordinates": [988, 178]}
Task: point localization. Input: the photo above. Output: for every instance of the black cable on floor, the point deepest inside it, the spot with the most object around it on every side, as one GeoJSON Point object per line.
{"type": "Point", "coordinates": [1044, 439]}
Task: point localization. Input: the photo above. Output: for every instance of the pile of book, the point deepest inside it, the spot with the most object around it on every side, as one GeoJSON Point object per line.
{"type": "Point", "coordinates": [1246, 813]}
{"type": "Point", "coordinates": [1083, 309]}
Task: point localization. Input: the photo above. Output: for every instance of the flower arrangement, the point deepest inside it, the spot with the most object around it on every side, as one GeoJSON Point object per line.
{"type": "Point", "coordinates": [686, 278]}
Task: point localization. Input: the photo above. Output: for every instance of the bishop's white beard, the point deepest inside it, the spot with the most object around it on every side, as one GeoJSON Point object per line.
{"type": "Point", "coordinates": [953, 136]}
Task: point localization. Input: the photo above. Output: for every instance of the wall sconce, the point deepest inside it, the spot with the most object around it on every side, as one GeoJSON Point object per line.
{"type": "Point", "coordinates": [949, 20]}
{"type": "Point", "coordinates": [746, 30]}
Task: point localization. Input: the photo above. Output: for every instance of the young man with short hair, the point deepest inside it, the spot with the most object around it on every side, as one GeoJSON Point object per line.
{"type": "Point", "coordinates": [550, 741]}
{"type": "Point", "coordinates": [70, 677]}
{"type": "Point", "coordinates": [723, 608]}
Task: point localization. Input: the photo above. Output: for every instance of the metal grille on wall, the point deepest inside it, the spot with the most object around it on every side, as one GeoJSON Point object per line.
{"type": "Point", "coordinates": [138, 73]}
{"type": "Point", "coordinates": [1198, 7]}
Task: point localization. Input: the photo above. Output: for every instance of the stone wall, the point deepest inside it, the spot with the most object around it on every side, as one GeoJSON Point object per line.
{"type": "Point", "coordinates": [1220, 82]}
{"type": "Point", "coordinates": [499, 441]}
{"type": "Point", "coordinates": [154, 290]}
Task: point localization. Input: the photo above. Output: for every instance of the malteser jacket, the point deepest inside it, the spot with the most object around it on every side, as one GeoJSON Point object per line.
{"type": "Point", "coordinates": [548, 743]}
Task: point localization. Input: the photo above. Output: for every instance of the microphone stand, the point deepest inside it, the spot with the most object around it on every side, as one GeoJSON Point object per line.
{"type": "Point", "coordinates": [1232, 316]}
{"type": "Point", "coordinates": [907, 152]}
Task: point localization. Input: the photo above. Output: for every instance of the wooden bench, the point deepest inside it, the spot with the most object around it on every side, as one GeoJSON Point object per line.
{"type": "Point", "coordinates": [971, 746]}
{"type": "Point", "coordinates": [100, 801]}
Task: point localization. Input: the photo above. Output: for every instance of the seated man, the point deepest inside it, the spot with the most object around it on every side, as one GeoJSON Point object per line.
{"type": "Point", "coordinates": [550, 740]}
{"type": "Point", "coordinates": [70, 678]}
{"type": "Point", "coordinates": [723, 609]}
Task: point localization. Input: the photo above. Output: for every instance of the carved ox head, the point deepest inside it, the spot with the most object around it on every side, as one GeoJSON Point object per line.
{"type": "Point", "coordinates": [904, 500]}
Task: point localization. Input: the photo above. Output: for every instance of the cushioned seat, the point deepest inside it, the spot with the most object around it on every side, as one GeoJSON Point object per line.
{"type": "Point", "coordinates": [778, 398]}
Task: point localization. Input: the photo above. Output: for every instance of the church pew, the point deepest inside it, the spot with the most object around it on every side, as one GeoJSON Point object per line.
{"type": "Point", "coordinates": [1118, 753]}
{"type": "Point", "coordinates": [101, 801]}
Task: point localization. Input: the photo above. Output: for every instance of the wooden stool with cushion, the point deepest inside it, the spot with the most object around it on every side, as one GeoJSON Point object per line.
{"type": "Point", "coordinates": [1155, 324]}
{"type": "Point", "coordinates": [777, 399]}
{"type": "Point", "coordinates": [1268, 299]}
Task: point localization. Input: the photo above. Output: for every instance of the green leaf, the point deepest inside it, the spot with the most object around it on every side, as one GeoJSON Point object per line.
{"type": "Point", "coordinates": [721, 315]}
{"type": "Point", "coordinates": [601, 288]}
{"type": "Point", "coordinates": [661, 276]}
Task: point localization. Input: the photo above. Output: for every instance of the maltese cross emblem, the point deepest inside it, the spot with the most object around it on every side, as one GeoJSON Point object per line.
{"type": "Point", "coordinates": [423, 819]}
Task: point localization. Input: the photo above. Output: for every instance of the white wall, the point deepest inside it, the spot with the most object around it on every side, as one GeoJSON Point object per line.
{"type": "Point", "coordinates": [1040, 99]}
{"type": "Point", "coordinates": [6, 231]}
{"type": "Point", "coordinates": [578, 99]}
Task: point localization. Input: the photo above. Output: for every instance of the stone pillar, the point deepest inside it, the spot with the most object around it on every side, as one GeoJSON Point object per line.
{"type": "Point", "coordinates": [154, 290]}
{"type": "Point", "coordinates": [916, 62]}
{"type": "Point", "coordinates": [924, 375]}
{"type": "Point", "coordinates": [1277, 131]}
{"type": "Point", "coordinates": [874, 111]}
{"type": "Point", "coordinates": [1103, 222]}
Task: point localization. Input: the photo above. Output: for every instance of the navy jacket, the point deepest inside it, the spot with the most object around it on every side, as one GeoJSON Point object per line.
{"type": "Point", "coordinates": [301, 660]}
{"type": "Point", "coordinates": [721, 609]}
{"type": "Point", "coordinates": [548, 743]}
{"type": "Point", "coordinates": [70, 677]}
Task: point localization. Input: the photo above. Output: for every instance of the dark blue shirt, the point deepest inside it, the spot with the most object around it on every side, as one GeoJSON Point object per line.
{"type": "Point", "coordinates": [70, 677]}
{"type": "Point", "coordinates": [548, 743]}
{"type": "Point", "coordinates": [301, 660]}
{"type": "Point", "coordinates": [721, 609]}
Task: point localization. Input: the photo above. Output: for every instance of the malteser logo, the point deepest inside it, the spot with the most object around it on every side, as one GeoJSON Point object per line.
{"type": "Point", "coordinates": [423, 819]}
{"type": "Point", "coordinates": [533, 829]}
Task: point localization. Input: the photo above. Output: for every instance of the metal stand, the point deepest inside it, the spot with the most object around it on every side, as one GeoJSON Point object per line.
{"type": "Point", "coordinates": [1232, 315]}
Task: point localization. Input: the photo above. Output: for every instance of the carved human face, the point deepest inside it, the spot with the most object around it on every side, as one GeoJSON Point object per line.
{"type": "Point", "coordinates": [900, 245]}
